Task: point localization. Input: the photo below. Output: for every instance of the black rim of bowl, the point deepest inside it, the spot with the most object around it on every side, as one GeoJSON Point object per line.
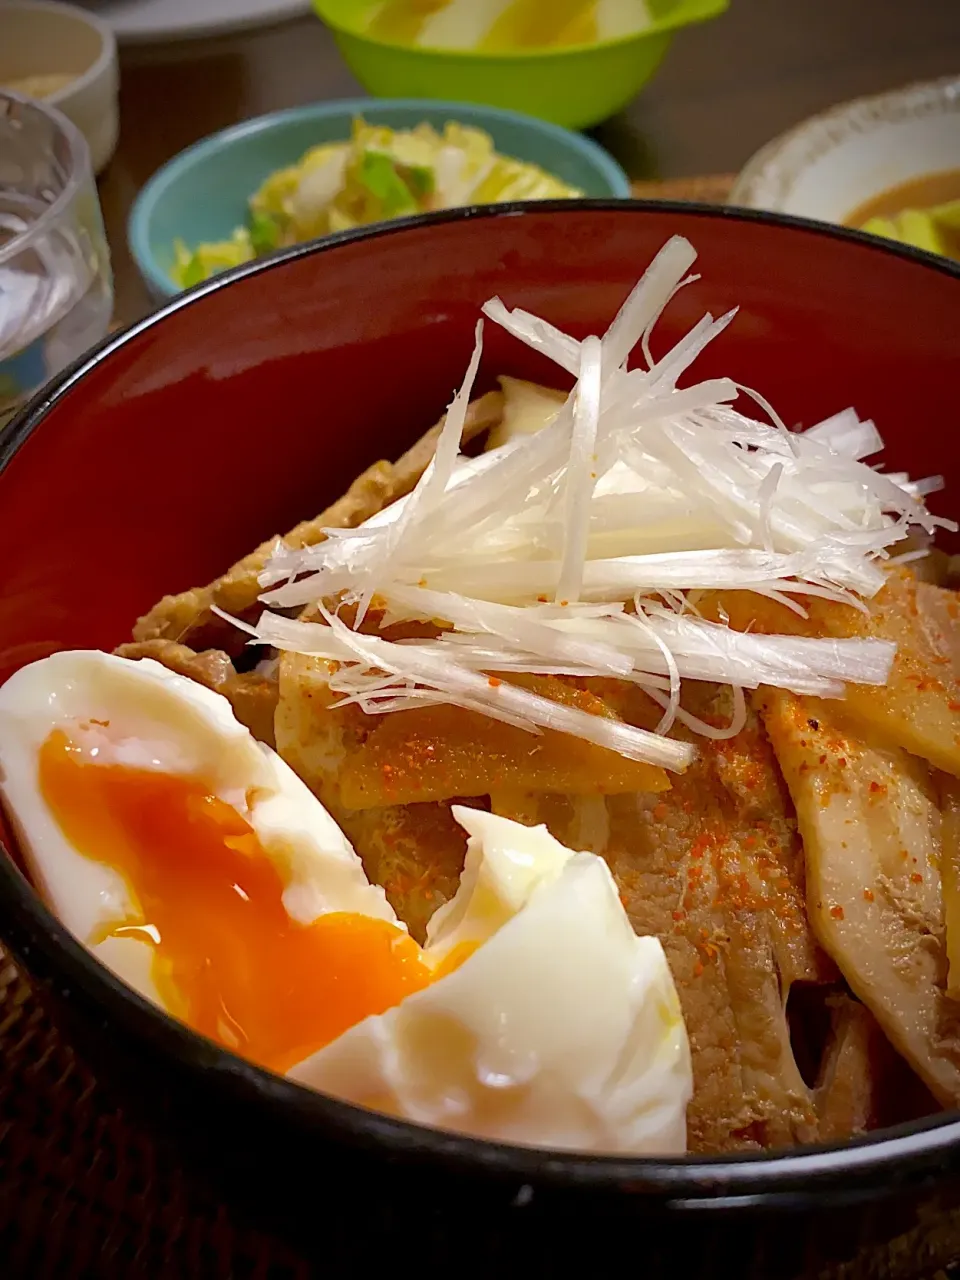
{"type": "Point", "coordinates": [30, 928]}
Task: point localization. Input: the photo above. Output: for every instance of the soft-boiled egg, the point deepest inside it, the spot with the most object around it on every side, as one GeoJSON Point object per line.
{"type": "Point", "coordinates": [191, 859]}
{"type": "Point", "coordinates": [556, 1025]}
{"type": "Point", "coordinates": [196, 865]}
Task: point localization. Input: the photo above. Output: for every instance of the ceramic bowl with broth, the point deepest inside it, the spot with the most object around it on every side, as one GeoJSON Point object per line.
{"type": "Point", "coordinates": [873, 157]}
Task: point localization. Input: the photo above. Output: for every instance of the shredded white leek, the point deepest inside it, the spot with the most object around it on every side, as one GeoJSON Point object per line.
{"type": "Point", "coordinates": [579, 551]}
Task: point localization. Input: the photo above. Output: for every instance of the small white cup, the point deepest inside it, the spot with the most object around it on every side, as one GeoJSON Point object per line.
{"type": "Point", "coordinates": [40, 38]}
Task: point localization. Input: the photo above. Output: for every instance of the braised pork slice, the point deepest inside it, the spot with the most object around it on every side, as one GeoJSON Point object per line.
{"type": "Point", "coordinates": [939, 611]}
{"type": "Point", "coordinates": [416, 851]}
{"type": "Point", "coordinates": [871, 825]}
{"type": "Point", "coordinates": [714, 867]}
{"type": "Point", "coordinates": [849, 1091]}
{"type": "Point", "coordinates": [919, 707]}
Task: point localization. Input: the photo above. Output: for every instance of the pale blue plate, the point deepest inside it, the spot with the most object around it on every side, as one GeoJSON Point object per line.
{"type": "Point", "coordinates": [201, 194]}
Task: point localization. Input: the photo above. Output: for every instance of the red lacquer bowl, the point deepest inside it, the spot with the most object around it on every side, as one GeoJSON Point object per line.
{"type": "Point", "coordinates": [250, 403]}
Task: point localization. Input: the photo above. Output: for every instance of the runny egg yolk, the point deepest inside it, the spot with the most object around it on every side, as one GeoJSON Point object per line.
{"type": "Point", "coordinates": [228, 959]}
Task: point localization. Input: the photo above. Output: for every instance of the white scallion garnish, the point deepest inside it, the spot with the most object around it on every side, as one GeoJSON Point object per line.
{"type": "Point", "coordinates": [572, 551]}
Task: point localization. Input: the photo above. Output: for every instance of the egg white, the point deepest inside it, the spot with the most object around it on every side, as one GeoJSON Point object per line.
{"type": "Point", "coordinates": [561, 1029]}
{"type": "Point", "coordinates": [163, 721]}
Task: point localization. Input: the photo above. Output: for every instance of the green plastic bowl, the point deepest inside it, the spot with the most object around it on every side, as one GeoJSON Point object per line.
{"type": "Point", "coordinates": [201, 194]}
{"type": "Point", "coordinates": [576, 85]}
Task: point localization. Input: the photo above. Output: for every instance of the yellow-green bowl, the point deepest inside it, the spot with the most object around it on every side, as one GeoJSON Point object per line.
{"type": "Point", "coordinates": [573, 85]}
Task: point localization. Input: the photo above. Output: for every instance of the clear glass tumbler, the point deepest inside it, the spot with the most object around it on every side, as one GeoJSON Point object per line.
{"type": "Point", "coordinates": [56, 289]}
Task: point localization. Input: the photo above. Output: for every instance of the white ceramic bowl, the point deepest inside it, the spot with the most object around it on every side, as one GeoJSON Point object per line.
{"type": "Point", "coordinates": [39, 38]}
{"type": "Point", "coordinates": [830, 164]}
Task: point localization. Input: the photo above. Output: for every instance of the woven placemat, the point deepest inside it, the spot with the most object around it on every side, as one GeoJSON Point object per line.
{"type": "Point", "coordinates": [712, 188]}
{"type": "Point", "coordinates": [85, 1191]}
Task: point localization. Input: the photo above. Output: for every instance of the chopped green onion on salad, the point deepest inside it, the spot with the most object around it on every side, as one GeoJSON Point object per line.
{"type": "Point", "coordinates": [380, 173]}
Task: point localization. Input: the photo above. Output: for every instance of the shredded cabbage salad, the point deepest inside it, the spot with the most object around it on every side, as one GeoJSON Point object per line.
{"type": "Point", "coordinates": [580, 550]}
{"type": "Point", "coordinates": [381, 173]}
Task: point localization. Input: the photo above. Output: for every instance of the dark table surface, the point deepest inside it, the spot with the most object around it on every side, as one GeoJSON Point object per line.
{"type": "Point", "coordinates": [725, 89]}
{"type": "Point", "coordinates": [78, 1171]}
